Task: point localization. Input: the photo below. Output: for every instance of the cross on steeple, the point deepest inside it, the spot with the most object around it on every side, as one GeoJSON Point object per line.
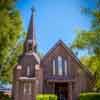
{"type": "Point", "coordinates": [33, 9]}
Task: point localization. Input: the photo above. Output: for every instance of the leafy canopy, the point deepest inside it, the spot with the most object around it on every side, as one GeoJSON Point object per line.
{"type": "Point", "coordinates": [90, 40]}
{"type": "Point", "coordinates": [10, 29]}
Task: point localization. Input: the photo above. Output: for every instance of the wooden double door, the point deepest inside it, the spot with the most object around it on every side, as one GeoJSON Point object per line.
{"type": "Point", "coordinates": [61, 90]}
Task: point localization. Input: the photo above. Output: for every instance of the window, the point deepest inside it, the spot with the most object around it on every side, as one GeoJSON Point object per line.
{"type": "Point", "coordinates": [62, 66]}
{"type": "Point", "coordinates": [60, 70]}
{"type": "Point", "coordinates": [30, 47]}
{"type": "Point", "coordinates": [65, 66]}
{"type": "Point", "coordinates": [30, 87]}
{"type": "Point", "coordinates": [28, 70]}
{"type": "Point", "coordinates": [54, 67]}
{"type": "Point", "coordinates": [25, 88]}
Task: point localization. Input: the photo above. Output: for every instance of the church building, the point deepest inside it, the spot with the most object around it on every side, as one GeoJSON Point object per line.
{"type": "Point", "coordinates": [59, 72]}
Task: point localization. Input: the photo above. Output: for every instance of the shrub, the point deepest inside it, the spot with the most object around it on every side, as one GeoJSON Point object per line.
{"type": "Point", "coordinates": [46, 97]}
{"type": "Point", "coordinates": [90, 96]}
{"type": "Point", "coordinates": [4, 97]}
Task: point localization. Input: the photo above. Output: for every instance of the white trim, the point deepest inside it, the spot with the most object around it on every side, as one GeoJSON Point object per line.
{"type": "Point", "coordinates": [19, 67]}
{"type": "Point", "coordinates": [37, 67]}
{"type": "Point", "coordinates": [27, 78]}
{"type": "Point", "coordinates": [30, 41]}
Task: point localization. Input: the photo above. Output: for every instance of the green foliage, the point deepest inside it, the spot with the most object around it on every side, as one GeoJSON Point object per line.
{"type": "Point", "coordinates": [92, 61]}
{"type": "Point", "coordinates": [4, 97]}
{"type": "Point", "coordinates": [10, 64]}
{"type": "Point", "coordinates": [90, 96]}
{"type": "Point", "coordinates": [98, 84]}
{"type": "Point", "coordinates": [10, 29]}
{"type": "Point", "coordinates": [90, 40]}
{"type": "Point", "coordinates": [46, 97]}
{"type": "Point", "coordinates": [8, 4]}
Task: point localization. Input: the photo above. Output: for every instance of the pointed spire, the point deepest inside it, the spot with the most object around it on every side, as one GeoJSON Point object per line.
{"type": "Point", "coordinates": [31, 26]}
{"type": "Point", "coordinates": [31, 37]}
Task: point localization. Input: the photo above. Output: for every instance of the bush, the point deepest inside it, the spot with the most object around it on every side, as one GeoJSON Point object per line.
{"type": "Point", "coordinates": [46, 97]}
{"type": "Point", "coordinates": [4, 97]}
{"type": "Point", "coordinates": [90, 96]}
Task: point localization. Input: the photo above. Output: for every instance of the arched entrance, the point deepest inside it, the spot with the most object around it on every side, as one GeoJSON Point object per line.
{"type": "Point", "coordinates": [61, 90]}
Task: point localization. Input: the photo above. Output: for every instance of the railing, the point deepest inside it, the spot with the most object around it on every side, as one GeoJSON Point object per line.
{"type": "Point", "coordinates": [58, 77]}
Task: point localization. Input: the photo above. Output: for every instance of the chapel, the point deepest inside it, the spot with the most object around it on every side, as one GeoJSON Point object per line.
{"type": "Point", "coordinates": [59, 72]}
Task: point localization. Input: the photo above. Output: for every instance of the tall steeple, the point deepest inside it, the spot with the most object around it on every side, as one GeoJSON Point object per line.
{"type": "Point", "coordinates": [30, 43]}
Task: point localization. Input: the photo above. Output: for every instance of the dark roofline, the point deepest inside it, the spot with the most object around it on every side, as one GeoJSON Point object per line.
{"type": "Point", "coordinates": [60, 42]}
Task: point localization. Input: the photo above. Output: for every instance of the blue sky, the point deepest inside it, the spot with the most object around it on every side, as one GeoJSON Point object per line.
{"type": "Point", "coordinates": [54, 20]}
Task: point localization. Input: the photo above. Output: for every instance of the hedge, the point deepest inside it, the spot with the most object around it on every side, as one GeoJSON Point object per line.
{"type": "Point", "coordinates": [4, 97]}
{"type": "Point", "coordinates": [46, 97]}
{"type": "Point", "coordinates": [90, 96]}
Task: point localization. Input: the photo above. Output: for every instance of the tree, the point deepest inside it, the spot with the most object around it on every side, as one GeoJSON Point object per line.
{"type": "Point", "coordinates": [10, 29]}
{"type": "Point", "coordinates": [93, 63]}
{"type": "Point", "coordinates": [13, 59]}
{"type": "Point", "coordinates": [90, 40]}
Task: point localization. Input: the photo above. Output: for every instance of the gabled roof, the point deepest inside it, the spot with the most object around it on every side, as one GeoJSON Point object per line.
{"type": "Point", "coordinates": [60, 42]}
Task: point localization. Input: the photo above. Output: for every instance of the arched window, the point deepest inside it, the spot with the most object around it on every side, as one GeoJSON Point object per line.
{"type": "Point", "coordinates": [54, 66]}
{"type": "Point", "coordinates": [60, 66]}
{"type": "Point", "coordinates": [65, 67]}
{"type": "Point", "coordinates": [29, 45]}
{"type": "Point", "coordinates": [28, 70]}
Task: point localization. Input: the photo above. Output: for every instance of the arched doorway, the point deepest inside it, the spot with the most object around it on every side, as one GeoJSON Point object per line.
{"type": "Point", "coordinates": [61, 90]}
